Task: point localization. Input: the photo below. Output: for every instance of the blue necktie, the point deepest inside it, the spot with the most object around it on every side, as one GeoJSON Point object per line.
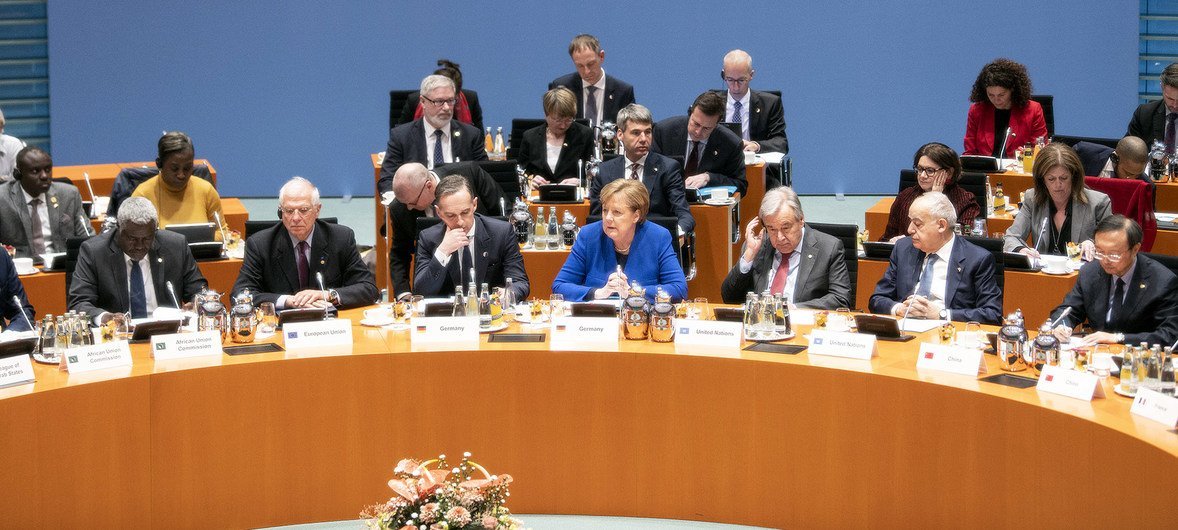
{"type": "Point", "coordinates": [926, 277]}
{"type": "Point", "coordinates": [736, 106]}
{"type": "Point", "coordinates": [438, 160]}
{"type": "Point", "coordinates": [138, 294]}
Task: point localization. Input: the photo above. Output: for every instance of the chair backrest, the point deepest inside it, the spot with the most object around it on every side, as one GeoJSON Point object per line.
{"type": "Point", "coordinates": [972, 182]}
{"type": "Point", "coordinates": [1170, 262]}
{"type": "Point", "coordinates": [516, 137]}
{"type": "Point", "coordinates": [1132, 198]}
{"type": "Point", "coordinates": [130, 178]}
{"type": "Point", "coordinates": [1047, 101]}
{"type": "Point", "coordinates": [397, 101]}
{"type": "Point", "coordinates": [254, 226]}
{"type": "Point", "coordinates": [1073, 140]}
{"type": "Point", "coordinates": [503, 171]}
{"type": "Point", "coordinates": [1093, 156]}
{"type": "Point", "coordinates": [995, 247]}
{"type": "Point", "coordinates": [848, 235]}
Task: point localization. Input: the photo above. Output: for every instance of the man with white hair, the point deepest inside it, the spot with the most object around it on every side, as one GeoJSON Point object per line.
{"type": "Point", "coordinates": [932, 274]}
{"type": "Point", "coordinates": [9, 147]}
{"type": "Point", "coordinates": [283, 264]}
{"type": "Point", "coordinates": [128, 269]}
{"type": "Point", "coordinates": [434, 139]}
{"type": "Point", "coordinates": [759, 113]}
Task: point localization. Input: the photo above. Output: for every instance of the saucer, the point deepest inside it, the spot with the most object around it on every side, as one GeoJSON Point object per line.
{"type": "Point", "coordinates": [720, 202]}
{"type": "Point", "coordinates": [1057, 272]}
{"type": "Point", "coordinates": [376, 322]}
{"type": "Point", "coordinates": [27, 272]}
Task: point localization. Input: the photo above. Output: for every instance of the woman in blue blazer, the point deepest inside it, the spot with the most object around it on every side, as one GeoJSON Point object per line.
{"type": "Point", "coordinates": [619, 249]}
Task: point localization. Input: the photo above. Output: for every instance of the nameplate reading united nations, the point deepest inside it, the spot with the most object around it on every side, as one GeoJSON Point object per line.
{"type": "Point", "coordinates": [840, 344]}
{"type": "Point", "coordinates": [708, 333]}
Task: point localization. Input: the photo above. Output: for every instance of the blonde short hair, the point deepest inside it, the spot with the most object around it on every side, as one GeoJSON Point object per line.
{"type": "Point", "coordinates": [630, 193]}
{"type": "Point", "coordinates": [560, 102]}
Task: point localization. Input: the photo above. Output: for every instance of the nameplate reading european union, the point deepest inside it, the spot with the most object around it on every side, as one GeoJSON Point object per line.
{"type": "Point", "coordinates": [96, 357]}
{"type": "Point", "coordinates": [952, 359]}
{"type": "Point", "coordinates": [333, 332]}
{"type": "Point", "coordinates": [16, 370]}
{"type": "Point", "coordinates": [1155, 406]}
{"type": "Point", "coordinates": [459, 332]}
{"type": "Point", "coordinates": [1070, 383]}
{"type": "Point", "coordinates": [840, 344]}
{"type": "Point", "coordinates": [579, 333]}
{"type": "Point", "coordinates": [184, 345]}
{"type": "Point", "coordinates": [708, 333]}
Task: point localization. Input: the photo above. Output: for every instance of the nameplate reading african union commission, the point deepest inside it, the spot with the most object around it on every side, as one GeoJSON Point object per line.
{"type": "Point", "coordinates": [16, 370]}
{"type": "Point", "coordinates": [184, 345]}
{"type": "Point", "coordinates": [459, 332]}
{"type": "Point", "coordinates": [334, 332]}
{"type": "Point", "coordinates": [96, 357]}
{"type": "Point", "coordinates": [584, 333]}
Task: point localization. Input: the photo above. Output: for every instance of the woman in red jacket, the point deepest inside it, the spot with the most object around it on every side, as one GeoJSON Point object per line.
{"type": "Point", "coordinates": [1002, 97]}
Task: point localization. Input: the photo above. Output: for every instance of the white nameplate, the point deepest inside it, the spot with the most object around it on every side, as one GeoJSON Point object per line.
{"type": "Point", "coordinates": [1070, 383]}
{"type": "Point", "coordinates": [1155, 406]}
{"type": "Point", "coordinates": [577, 333]}
{"type": "Point", "coordinates": [16, 370]}
{"type": "Point", "coordinates": [952, 359]}
{"type": "Point", "coordinates": [840, 344]}
{"type": "Point", "coordinates": [184, 345]}
{"type": "Point", "coordinates": [97, 357]}
{"type": "Point", "coordinates": [708, 333]}
{"type": "Point", "coordinates": [462, 332]}
{"type": "Point", "coordinates": [333, 332]}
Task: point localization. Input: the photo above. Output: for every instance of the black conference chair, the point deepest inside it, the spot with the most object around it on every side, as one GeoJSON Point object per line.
{"type": "Point", "coordinates": [397, 100]}
{"type": "Point", "coordinates": [254, 226]}
{"type": "Point", "coordinates": [130, 178]}
{"type": "Point", "coordinates": [516, 137]}
{"type": "Point", "coordinates": [848, 235]}
{"type": "Point", "coordinates": [426, 222]}
{"type": "Point", "coordinates": [685, 252]}
{"type": "Point", "coordinates": [995, 247]}
{"type": "Point", "coordinates": [503, 171]}
{"type": "Point", "coordinates": [1048, 103]}
{"type": "Point", "coordinates": [972, 182]}
{"type": "Point", "coordinates": [1073, 140]}
{"type": "Point", "coordinates": [1093, 156]}
{"type": "Point", "coordinates": [1171, 262]}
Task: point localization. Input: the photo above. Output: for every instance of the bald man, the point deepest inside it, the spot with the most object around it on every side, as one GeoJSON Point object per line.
{"type": "Point", "coordinates": [759, 113]}
{"type": "Point", "coordinates": [1130, 160]}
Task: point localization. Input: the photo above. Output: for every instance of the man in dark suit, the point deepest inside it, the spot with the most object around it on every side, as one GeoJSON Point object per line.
{"type": "Point", "coordinates": [712, 155]}
{"type": "Point", "coordinates": [1155, 121]}
{"type": "Point", "coordinates": [802, 263]}
{"type": "Point", "coordinates": [1126, 297]}
{"type": "Point", "coordinates": [12, 292]}
{"type": "Point", "coordinates": [446, 252]}
{"type": "Point", "coordinates": [283, 263]}
{"type": "Point", "coordinates": [436, 138]}
{"type": "Point", "coordinates": [760, 114]}
{"type": "Point", "coordinates": [129, 268]}
{"type": "Point", "coordinates": [661, 175]}
{"type": "Point", "coordinates": [38, 215]}
{"type": "Point", "coordinates": [935, 275]}
{"type": "Point", "coordinates": [599, 96]}
{"type": "Point", "coordinates": [415, 190]}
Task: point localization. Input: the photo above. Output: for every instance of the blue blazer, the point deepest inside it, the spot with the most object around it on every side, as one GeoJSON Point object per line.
{"type": "Point", "coordinates": [652, 263]}
{"type": "Point", "coordinates": [10, 286]}
{"type": "Point", "coordinates": [971, 294]}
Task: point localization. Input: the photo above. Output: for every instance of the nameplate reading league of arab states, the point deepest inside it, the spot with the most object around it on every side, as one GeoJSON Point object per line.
{"type": "Point", "coordinates": [184, 345]}
{"type": "Point", "coordinates": [1070, 383]}
{"type": "Point", "coordinates": [16, 370]}
{"type": "Point", "coordinates": [1155, 406]}
{"type": "Point", "coordinates": [452, 331]}
{"type": "Point", "coordinates": [708, 333]}
{"type": "Point", "coordinates": [333, 332]}
{"type": "Point", "coordinates": [841, 344]}
{"type": "Point", "coordinates": [578, 333]}
{"type": "Point", "coordinates": [106, 355]}
{"type": "Point", "coordinates": [952, 359]}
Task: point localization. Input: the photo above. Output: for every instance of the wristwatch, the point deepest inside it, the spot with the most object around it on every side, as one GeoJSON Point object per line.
{"type": "Point", "coordinates": [333, 296]}
{"type": "Point", "coordinates": [944, 314]}
{"type": "Point", "coordinates": [1119, 337]}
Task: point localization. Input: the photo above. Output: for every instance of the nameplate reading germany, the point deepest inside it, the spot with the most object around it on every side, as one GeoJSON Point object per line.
{"type": "Point", "coordinates": [97, 357]}
{"type": "Point", "coordinates": [184, 345]}
{"type": "Point", "coordinates": [576, 333]}
{"type": "Point", "coordinates": [16, 370]}
{"type": "Point", "coordinates": [458, 331]}
{"type": "Point", "coordinates": [334, 332]}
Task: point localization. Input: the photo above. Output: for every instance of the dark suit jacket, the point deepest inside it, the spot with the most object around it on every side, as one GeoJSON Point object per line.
{"type": "Point", "coordinates": [822, 282]}
{"type": "Point", "coordinates": [270, 270]}
{"type": "Point", "coordinates": [533, 152]}
{"type": "Point", "coordinates": [722, 160]}
{"type": "Point", "coordinates": [498, 259]}
{"type": "Point", "coordinates": [1149, 312]}
{"type": "Point", "coordinates": [618, 94]}
{"type": "Point", "coordinates": [663, 179]}
{"type": "Point", "coordinates": [970, 291]}
{"type": "Point", "coordinates": [100, 279]}
{"type": "Point", "coordinates": [472, 100]}
{"type": "Point", "coordinates": [766, 121]}
{"type": "Point", "coordinates": [405, 220]}
{"type": "Point", "coordinates": [64, 204]}
{"type": "Point", "coordinates": [1149, 122]}
{"type": "Point", "coordinates": [407, 144]}
{"type": "Point", "coordinates": [10, 286]}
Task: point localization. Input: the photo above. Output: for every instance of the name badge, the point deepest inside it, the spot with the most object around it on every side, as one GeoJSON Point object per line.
{"type": "Point", "coordinates": [96, 357]}
{"type": "Point", "coordinates": [952, 359]}
{"type": "Point", "coordinates": [457, 332]}
{"type": "Point", "coordinates": [16, 370]}
{"type": "Point", "coordinates": [578, 333]}
{"type": "Point", "coordinates": [184, 345]}
{"type": "Point", "coordinates": [708, 333]}
{"type": "Point", "coordinates": [842, 344]}
{"type": "Point", "coordinates": [1155, 406]}
{"type": "Point", "coordinates": [1069, 383]}
{"type": "Point", "coordinates": [334, 332]}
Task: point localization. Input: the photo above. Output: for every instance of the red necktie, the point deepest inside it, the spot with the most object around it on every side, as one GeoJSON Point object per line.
{"type": "Point", "coordinates": [634, 171]}
{"type": "Point", "coordinates": [780, 277]}
{"type": "Point", "coordinates": [692, 163]}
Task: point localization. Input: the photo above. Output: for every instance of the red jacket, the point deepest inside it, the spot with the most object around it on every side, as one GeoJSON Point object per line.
{"type": "Point", "coordinates": [1026, 124]}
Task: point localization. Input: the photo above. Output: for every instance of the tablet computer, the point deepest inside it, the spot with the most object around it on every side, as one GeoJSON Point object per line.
{"type": "Point", "coordinates": [884, 328]}
{"type": "Point", "coordinates": [146, 329]}
{"type": "Point", "coordinates": [878, 249]}
{"type": "Point", "coordinates": [589, 309]}
{"type": "Point", "coordinates": [304, 314]}
{"type": "Point", "coordinates": [12, 348]}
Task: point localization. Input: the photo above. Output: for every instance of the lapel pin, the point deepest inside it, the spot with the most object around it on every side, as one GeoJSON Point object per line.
{"type": "Point", "coordinates": [457, 134]}
{"type": "Point", "coordinates": [322, 262]}
{"type": "Point", "coordinates": [809, 256]}
{"type": "Point", "coordinates": [715, 153]}
{"type": "Point", "coordinates": [611, 96]}
{"type": "Point", "coordinates": [757, 110]}
{"type": "Point", "coordinates": [159, 260]}
{"type": "Point", "coordinates": [1142, 286]}
{"type": "Point", "coordinates": [53, 200]}
{"type": "Point", "coordinates": [958, 269]}
{"type": "Point", "coordinates": [484, 254]}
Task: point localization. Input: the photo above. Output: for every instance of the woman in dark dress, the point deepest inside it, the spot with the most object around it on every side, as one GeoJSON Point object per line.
{"type": "Point", "coordinates": [553, 152]}
{"type": "Point", "coordinates": [937, 169]}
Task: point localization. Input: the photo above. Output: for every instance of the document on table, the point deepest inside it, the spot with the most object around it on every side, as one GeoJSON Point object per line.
{"type": "Point", "coordinates": [917, 325]}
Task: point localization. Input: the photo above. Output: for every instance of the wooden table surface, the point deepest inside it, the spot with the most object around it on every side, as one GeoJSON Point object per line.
{"type": "Point", "coordinates": [728, 436]}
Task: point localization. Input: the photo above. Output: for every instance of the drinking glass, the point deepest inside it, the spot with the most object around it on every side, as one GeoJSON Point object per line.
{"type": "Point", "coordinates": [972, 337]}
{"type": "Point", "coordinates": [267, 318]}
{"type": "Point", "coordinates": [699, 309]}
{"type": "Point", "coordinates": [556, 306]}
{"type": "Point", "coordinates": [416, 306]}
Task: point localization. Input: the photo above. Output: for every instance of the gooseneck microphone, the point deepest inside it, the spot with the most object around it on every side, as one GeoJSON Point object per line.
{"type": "Point", "coordinates": [16, 300]}
{"type": "Point", "coordinates": [1005, 138]}
{"type": "Point", "coordinates": [172, 291]}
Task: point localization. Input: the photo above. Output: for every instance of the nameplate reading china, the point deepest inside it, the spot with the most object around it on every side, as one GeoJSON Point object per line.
{"type": "Point", "coordinates": [1154, 406]}
{"type": "Point", "coordinates": [16, 370]}
{"type": "Point", "coordinates": [334, 332]}
{"type": "Point", "coordinates": [952, 359]}
{"type": "Point", "coordinates": [458, 331]}
{"type": "Point", "coordinates": [1070, 383]}
{"type": "Point", "coordinates": [184, 345]}
{"type": "Point", "coordinates": [708, 333]}
{"type": "Point", "coordinates": [576, 333]}
{"type": "Point", "coordinates": [841, 344]}
{"type": "Point", "coordinates": [97, 357]}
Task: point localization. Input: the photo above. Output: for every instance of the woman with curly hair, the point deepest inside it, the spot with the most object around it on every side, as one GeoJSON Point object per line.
{"type": "Point", "coordinates": [1002, 97]}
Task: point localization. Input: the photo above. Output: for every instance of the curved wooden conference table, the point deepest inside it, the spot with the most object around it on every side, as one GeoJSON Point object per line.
{"type": "Point", "coordinates": [737, 437]}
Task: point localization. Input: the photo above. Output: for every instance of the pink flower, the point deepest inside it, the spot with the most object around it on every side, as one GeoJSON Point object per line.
{"type": "Point", "coordinates": [430, 512]}
{"type": "Point", "coordinates": [405, 490]}
{"type": "Point", "coordinates": [489, 522]}
{"type": "Point", "coordinates": [438, 526]}
{"type": "Point", "coordinates": [408, 527]}
{"type": "Point", "coordinates": [459, 516]}
{"type": "Point", "coordinates": [406, 465]}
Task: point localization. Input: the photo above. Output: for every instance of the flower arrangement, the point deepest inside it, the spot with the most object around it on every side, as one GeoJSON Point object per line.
{"type": "Point", "coordinates": [431, 496]}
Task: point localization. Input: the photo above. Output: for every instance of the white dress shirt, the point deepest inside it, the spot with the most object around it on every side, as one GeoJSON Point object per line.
{"type": "Point", "coordinates": [43, 212]}
{"type": "Point", "coordinates": [744, 112]}
{"type": "Point", "coordinates": [553, 155]}
{"type": "Point", "coordinates": [447, 153]}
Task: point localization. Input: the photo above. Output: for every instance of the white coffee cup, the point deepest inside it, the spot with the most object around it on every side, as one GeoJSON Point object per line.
{"type": "Point", "coordinates": [379, 313]}
{"type": "Point", "coordinates": [720, 195]}
{"type": "Point", "coordinates": [1054, 264]}
{"type": "Point", "coordinates": [24, 265]}
{"type": "Point", "coordinates": [750, 157]}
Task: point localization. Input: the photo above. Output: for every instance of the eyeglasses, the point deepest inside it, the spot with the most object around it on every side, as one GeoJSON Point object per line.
{"type": "Point", "coordinates": [290, 212]}
{"type": "Point", "coordinates": [737, 80]}
{"type": "Point", "coordinates": [439, 103]}
{"type": "Point", "coordinates": [1111, 258]}
{"type": "Point", "coordinates": [561, 119]}
{"type": "Point", "coordinates": [930, 171]}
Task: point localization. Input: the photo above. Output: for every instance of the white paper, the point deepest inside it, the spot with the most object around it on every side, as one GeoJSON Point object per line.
{"type": "Point", "coordinates": [917, 325]}
{"type": "Point", "coordinates": [771, 157]}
